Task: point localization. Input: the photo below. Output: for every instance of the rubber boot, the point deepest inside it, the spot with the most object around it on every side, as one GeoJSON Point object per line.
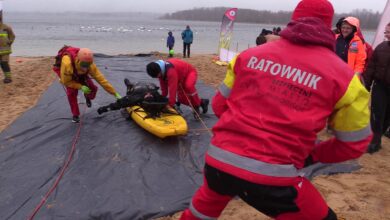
{"type": "Point", "coordinates": [7, 78]}
{"type": "Point", "coordinates": [75, 119]}
{"type": "Point", "coordinates": [204, 103]}
{"type": "Point", "coordinates": [375, 144]}
{"type": "Point", "coordinates": [88, 102]}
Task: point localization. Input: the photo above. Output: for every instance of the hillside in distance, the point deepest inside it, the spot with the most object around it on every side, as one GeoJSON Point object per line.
{"type": "Point", "coordinates": [368, 18]}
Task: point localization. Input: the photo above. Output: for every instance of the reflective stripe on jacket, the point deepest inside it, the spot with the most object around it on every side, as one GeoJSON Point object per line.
{"type": "Point", "coordinates": [273, 103]}
{"type": "Point", "coordinates": [7, 37]}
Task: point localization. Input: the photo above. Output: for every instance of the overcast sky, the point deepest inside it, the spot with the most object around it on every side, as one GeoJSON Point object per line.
{"type": "Point", "coordinates": [164, 6]}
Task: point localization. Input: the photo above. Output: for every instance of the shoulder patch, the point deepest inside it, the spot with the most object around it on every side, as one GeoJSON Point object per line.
{"type": "Point", "coordinates": [354, 47]}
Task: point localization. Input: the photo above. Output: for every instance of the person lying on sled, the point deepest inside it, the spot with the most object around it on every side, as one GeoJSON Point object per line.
{"type": "Point", "coordinates": [143, 94]}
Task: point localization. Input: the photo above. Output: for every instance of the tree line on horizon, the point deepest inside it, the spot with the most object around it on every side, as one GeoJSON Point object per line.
{"type": "Point", "coordinates": [368, 18]}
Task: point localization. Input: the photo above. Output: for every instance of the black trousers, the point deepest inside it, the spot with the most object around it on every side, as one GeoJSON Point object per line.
{"type": "Point", "coordinates": [270, 200]}
{"type": "Point", "coordinates": [5, 66]}
{"type": "Point", "coordinates": [169, 49]}
{"type": "Point", "coordinates": [186, 49]}
{"type": "Point", "coordinates": [380, 110]}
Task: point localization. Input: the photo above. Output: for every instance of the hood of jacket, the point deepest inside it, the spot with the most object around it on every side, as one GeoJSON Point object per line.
{"type": "Point", "coordinates": [309, 30]}
{"type": "Point", "coordinates": [353, 21]}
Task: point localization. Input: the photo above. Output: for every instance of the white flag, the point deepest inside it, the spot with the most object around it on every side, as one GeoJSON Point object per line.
{"type": "Point", "coordinates": [385, 19]}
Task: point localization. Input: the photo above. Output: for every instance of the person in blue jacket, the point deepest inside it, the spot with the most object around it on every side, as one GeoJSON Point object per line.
{"type": "Point", "coordinates": [170, 43]}
{"type": "Point", "coordinates": [187, 37]}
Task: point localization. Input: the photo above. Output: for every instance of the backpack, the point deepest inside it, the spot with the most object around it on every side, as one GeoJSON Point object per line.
{"type": "Point", "coordinates": [65, 50]}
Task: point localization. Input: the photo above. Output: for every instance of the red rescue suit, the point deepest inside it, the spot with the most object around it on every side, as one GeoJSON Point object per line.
{"type": "Point", "coordinates": [274, 101]}
{"type": "Point", "coordinates": [179, 80]}
{"type": "Point", "coordinates": [73, 78]}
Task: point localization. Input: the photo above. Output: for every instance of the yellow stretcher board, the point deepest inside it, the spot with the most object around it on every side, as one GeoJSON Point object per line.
{"type": "Point", "coordinates": [163, 126]}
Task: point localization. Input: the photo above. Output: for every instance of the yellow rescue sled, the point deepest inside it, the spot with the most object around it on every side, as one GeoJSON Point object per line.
{"type": "Point", "coordinates": [167, 124]}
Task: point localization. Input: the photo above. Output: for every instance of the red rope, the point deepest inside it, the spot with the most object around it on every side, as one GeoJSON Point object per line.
{"type": "Point", "coordinates": [62, 172]}
{"type": "Point", "coordinates": [197, 114]}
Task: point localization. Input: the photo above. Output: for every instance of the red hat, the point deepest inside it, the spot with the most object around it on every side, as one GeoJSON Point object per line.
{"type": "Point", "coordinates": [321, 9]}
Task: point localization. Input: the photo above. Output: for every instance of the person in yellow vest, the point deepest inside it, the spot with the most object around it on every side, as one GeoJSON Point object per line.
{"type": "Point", "coordinates": [7, 37]}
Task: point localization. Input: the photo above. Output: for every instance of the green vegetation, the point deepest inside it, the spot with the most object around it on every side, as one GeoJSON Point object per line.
{"type": "Point", "coordinates": [368, 18]}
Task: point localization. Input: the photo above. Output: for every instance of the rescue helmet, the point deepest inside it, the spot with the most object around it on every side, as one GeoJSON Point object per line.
{"type": "Point", "coordinates": [85, 55]}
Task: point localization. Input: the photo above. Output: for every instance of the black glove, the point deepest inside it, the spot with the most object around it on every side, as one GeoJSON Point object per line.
{"type": "Point", "coordinates": [102, 110]}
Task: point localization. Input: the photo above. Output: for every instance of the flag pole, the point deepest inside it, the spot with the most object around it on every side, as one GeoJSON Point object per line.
{"type": "Point", "coordinates": [385, 19]}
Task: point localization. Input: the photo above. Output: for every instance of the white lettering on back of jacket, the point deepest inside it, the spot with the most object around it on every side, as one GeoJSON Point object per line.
{"type": "Point", "coordinates": [294, 74]}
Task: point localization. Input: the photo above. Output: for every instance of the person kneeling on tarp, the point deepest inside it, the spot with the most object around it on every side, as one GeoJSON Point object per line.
{"type": "Point", "coordinates": [145, 95]}
{"type": "Point", "coordinates": [178, 77]}
{"type": "Point", "coordinates": [75, 66]}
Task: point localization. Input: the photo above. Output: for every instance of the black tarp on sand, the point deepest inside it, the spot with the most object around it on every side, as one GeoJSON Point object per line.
{"type": "Point", "coordinates": [119, 171]}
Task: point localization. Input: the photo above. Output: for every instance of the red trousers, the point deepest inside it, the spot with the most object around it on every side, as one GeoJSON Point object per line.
{"type": "Point", "coordinates": [72, 96]}
{"type": "Point", "coordinates": [72, 93]}
{"type": "Point", "coordinates": [296, 202]}
{"type": "Point", "coordinates": [187, 92]}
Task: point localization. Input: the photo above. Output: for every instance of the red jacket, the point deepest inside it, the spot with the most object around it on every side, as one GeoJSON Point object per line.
{"type": "Point", "coordinates": [174, 77]}
{"type": "Point", "coordinates": [277, 97]}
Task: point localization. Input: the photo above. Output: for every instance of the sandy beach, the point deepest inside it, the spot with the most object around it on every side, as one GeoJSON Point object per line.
{"type": "Point", "coordinates": [362, 195]}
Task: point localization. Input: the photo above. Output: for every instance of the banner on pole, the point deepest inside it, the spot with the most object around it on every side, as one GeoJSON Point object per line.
{"type": "Point", "coordinates": [225, 55]}
{"type": "Point", "coordinates": [385, 19]}
{"type": "Point", "coordinates": [227, 28]}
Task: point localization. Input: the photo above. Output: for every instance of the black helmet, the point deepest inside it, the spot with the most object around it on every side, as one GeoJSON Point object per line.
{"type": "Point", "coordinates": [153, 69]}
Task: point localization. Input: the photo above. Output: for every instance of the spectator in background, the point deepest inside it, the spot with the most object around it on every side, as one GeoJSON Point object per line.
{"type": "Point", "coordinates": [277, 31]}
{"type": "Point", "coordinates": [378, 74]}
{"type": "Point", "coordinates": [187, 37]}
{"type": "Point", "coordinates": [170, 43]}
{"type": "Point", "coordinates": [7, 37]}
{"type": "Point", "coordinates": [349, 46]}
{"type": "Point", "coordinates": [261, 39]}
{"type": "Point", "coordinates": [338, 25]}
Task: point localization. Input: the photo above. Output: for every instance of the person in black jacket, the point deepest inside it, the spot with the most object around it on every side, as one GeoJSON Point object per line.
{"type": "Point", "coordinates": [378, 74]}
{"type": "Point", "coordinates": [261, 39]}
{"type": "Point", "coordinates": [145, 95]}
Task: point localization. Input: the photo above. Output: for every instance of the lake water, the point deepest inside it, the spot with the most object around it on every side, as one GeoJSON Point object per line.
{"type": "Point", "coordinates": [42, 34]}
